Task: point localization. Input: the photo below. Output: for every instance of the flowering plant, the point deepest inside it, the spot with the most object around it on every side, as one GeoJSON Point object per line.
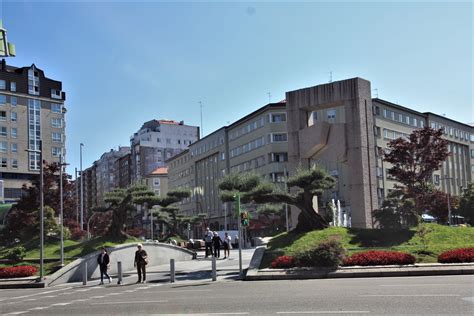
{"type": "Point", "coordinates": [17, 272]}
{"type": "Point", "coordinates": [283, 262]}
{"type": "Point", "coordinates": [457, 256]}
{"type": "Point", "coordinates": [379, 257]}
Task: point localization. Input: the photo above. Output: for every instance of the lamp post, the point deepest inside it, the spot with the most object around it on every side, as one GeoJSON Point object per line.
{"type": "Point", "coordinates": [88, 223]}
{"type": "Point", "coordinates": [61, 202]}
{"type": "Point", "coordinates": [449, 202]}
{"type": "Point", "coordinates": [40, 152]}
{"type": "Point", "coordinates": [82, 187]}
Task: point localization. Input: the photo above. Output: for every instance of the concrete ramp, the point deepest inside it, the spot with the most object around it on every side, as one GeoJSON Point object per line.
{"type": "Point", "coordinates": [158, 254]}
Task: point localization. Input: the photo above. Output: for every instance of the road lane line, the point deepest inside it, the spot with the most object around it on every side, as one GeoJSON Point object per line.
{"type": "Point", "coordinates": [131, 302]}
{"type": "Point", "coordinates": [61, 304]}
{"type": "Point", "coordinates": [98, 296]}
{"type": "Point", "coordinates": [326, 312]}
{"type": "Point", "coordinates": [409, 295]}
{"type": "Point", "coordinates": [405, 285]}
{"type": "Point", "coordinates": [17, 313]}
{"type": "Point", "coordinates": [35, 294]}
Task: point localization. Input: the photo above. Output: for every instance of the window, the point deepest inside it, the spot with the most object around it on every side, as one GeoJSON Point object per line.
{"type": "Point", "coordinates": [2, 85]}
{"type": "Point", "coordinates": [13, 101]}
{"type": "Point", "coordinates": [158, 140]}
{"type": "Point", "coordinates": [377, 131]}
{"type": "Point", "coordinates": [3, 131]}
{"type": "Point", "coordinates": [56, 151]}
{"type": "Point", "coordinates": [3, 99]}
{"type": "Point", "coordinates": [379, 172]}
{"type": "Point", "coordinates": [55, 94]}
{"type": "Point", "coordinates": [33, 81]}
{"type": "Point", "coordinates": [422, 124]}
{"type": "Point", "coordinates": [4, 162]}
{"type": "Point", "coordinates": [277, 117]}
{"type": "Point", "coordinates": [331, 114]}
{"type": "Point", "coordinates": [456, 133]}
{"type": "Point", "coordinates": [15, 163]}
{"type": "Point", "coordinates": [472, 153]}
{"type": "Point", "coordinates": [13, 86]}
{"type": "Point", "coordinates": [14, 132]}
{"type": "Point", "coordinates": [415, 122]}
{"type": "Point", "coordinates": [450, 131]}
{"type": "Point", "coordinates": [14, 147]}
{"type": "Point", "coordinates": [168, 140]}
{"type": "Point", "coordinates": [157, 192]}
{"type": "Point", "coordinates": [407, 120]}
{"type": "Point", "coordinates": [55, 107]}
{"type": "Point", "coordinates": [57, 137]}
{"type": "Point", "coordinates": [222, 156]}
{"type": "Point", "coordinates": [376, 110]}
{"type": "Point", "coordinates": [280, 137]}
{"type": "Point", "coordinates": [156, 182]}
{"type": "Point", "coordinates": [3, 115]}
{"type": "Point", "coordinates": [13, 116]}
{"type": "Point", "coordinates": [3, 147]}
{"type": "Point", "coordinates": [278, 177]}
{"type": "Point", "coordinates": [279, 157]}
{"type": "Point", "coordinates": [56, 122]}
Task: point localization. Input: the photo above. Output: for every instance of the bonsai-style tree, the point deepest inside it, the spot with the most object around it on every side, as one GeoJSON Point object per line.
{"type": "Point", "coordinates": [305, 183]}
{"type": "Point", "coordinates": [414, 160]}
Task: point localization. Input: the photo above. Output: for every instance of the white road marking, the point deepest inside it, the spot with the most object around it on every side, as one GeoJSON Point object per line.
{"type": "Point", "coordinates": [17, 313]}
{"type": "Point", "coordinates": [409, 295]}
{"type": "Point", "coordinates": [326, 312]}
{"type": "Point", "coordinates": [405, 285]}
{"type": "Point", "coordinates": [61, 304]}
{"type": "Point", "coordinates": [131, 302]}
{"type": "Point", "coordinates": [38, 308]}
{"type": "Point", "coordinates": [35, 294]}
{"type": "Point", "coordinates": [129, 291]}
{"type": "Point", "coordinates": [81, 300]}
{"type": "Point", "coordinates": [110, 294]}
{"type": "Point", "coordinates": [99, 296]}
{"type": "Point", "coordinates": [29, 300]}
{"type": "Point", "coordinates": [50, 296]}
{"type": "Point", "coordinates": [469, 299]}
{"type": "Point", "coordinates": [181, 291]}
{"type": "Point", "coordinates": [82, 290]}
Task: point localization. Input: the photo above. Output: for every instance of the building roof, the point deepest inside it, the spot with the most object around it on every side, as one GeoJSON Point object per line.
{"type": "Point", "coordinates": [160, 171]}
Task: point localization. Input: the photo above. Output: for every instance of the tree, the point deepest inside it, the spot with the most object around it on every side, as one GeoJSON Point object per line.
{"type": "Point", "coordinates": [436, 202]}
{"type": "Point", "coordinates": [415, 159]}
{"type": "Point", "coordinates": [466, 204]}
{"type": "Point", "coordinates": [396, 212]}
{"type": "Point", "coordinates": [23, 217]}
{"type": "Point", "coordinates": [305, 183]}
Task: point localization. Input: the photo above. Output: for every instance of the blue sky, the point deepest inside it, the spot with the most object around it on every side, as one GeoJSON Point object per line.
{"type": "Point", "coordinates": [123, 63]}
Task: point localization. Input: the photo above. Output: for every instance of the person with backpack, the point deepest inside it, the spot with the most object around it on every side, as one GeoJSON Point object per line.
{"type": "Point", "coordinates": [103, 260]}
{"type": "Point", "coordinates": [141, 260]}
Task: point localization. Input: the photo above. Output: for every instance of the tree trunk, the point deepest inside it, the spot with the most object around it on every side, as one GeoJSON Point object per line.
{"type": "Point", "coordinates": [308, 219]}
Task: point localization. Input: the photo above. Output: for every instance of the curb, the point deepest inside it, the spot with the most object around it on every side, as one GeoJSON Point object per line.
{"type": "Point", "coordinates": [33, 285]}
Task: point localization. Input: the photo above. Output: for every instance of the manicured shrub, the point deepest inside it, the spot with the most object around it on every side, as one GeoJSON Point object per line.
{"type": "Point", "coordinates": [457, 256]}
{"type": "Point", "coordinates": [283, 262]}
{"type": "Point", "coordinates": [16, 254]}
{"type": "Point", "coordinates": [379, 258]}
{"type": "Point", "coordinates": [17, 272]}
{"type": "Point", "coordinates": [329, 253]}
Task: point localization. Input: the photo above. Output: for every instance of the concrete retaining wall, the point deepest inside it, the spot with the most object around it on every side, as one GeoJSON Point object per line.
{"type": "Point", "coordinates": [158, 254]}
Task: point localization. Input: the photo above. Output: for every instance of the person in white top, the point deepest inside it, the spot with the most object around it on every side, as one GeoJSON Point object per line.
{"type": "Point", "coordinates": [227, 241]}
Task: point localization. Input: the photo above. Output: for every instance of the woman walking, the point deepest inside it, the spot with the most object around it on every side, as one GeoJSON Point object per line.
{"type": "Point", "coordinates": [227, 241]}
{"type": "Point", "coordinates": [103, 260]}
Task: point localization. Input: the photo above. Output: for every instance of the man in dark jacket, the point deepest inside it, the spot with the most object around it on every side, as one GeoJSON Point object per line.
{"type": "Point", "coordinates": [103, 260]}
{"type": "Point", "coordinates": [141, 260]}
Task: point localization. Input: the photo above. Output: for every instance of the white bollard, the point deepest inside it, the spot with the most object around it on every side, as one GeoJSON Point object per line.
{"type": "Point", "coordinates": [214, 272]}
{"type": "Point", "coordinates": [172, 270]}
{"type": "Point", "coordinates": [84, 273]}
{"type": "Point", "coordinates": [119, 272]}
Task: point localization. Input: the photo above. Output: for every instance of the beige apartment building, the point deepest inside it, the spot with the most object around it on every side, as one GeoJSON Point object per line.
{"type": "Point", "coordinates": [257, 143]}
{"type": "Point", "coordinates": [157, 181]}
{"type": "Point", "coordinates": [31, 112]}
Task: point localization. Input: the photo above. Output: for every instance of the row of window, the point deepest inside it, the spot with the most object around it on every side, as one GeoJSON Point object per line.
{"type": "Point", "coordinates": [313, 116]}
{"type": "Point", "coordinates": [55, 151]}
{"type": "Point", "coordinates": [4, 162]}
{"type": "Point", "coordinates": [4, 132]}
{"type": "Point", "coordinates": [248, 165]}
{"type": "Point", "coordinates": [453, 132]}
{"type": "Point", "coordinates": [3, 85]}
{"type": "Point", "coordinates": [254, 144]}
{"type": "Point", "coordinates": [209, 145]}
{"type": "Point", "coordinates": [399, 117]}
{"type": "Point", "coordinates": [390, 134]}
{"type": "Point", "coordinates": [55, 107]}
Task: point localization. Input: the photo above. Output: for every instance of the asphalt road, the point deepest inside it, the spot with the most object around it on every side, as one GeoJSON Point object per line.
{"type": "Point", "coordinates": [442, 295]}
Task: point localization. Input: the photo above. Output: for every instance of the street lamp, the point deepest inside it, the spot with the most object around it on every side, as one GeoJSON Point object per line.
{"type": "Point", "coordinates": [82, 188]}
{"type": "Point", "coordinates": [449, 202]}
{"type": "Point", "coordinates": [40, 152]}
{"type": "Point", "coordinates": [61, 202]}
{"type": "Point", "coordinates": [88, 222]}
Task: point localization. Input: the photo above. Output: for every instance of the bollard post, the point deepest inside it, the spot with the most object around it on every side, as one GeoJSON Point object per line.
{"type": "Point", "coordinates": [172, 271]}
{"type": "Point", "coordinates": [84, 273]}
{"type": "Point", "coordinates": [214, 272]}
{"type": "Point", "coordinates": [119, 272]}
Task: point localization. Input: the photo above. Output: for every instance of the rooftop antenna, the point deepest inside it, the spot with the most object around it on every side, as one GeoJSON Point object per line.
{"type": "Point", "coordinates": [330, 76]}
{"type": "Point", "coordinates": [376, 92]}
{"type": "Point", "coordinates": [200, 106]}
{"type": "Point", "coordinates": [269, 97]}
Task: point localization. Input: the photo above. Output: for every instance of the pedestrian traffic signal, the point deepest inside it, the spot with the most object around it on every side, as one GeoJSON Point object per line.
{"type": "Point", "coordinates": [244, 218]}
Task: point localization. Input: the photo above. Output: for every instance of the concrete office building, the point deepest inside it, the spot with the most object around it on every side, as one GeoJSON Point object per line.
{"type": "Point", "coordinates": [257, 142]}
{"type": "Point", "coordinates": [340, 126]}
{"type": "Point", "coordinates": [31, 110]}
{"type": "Point", "coordinates": [156, 141]}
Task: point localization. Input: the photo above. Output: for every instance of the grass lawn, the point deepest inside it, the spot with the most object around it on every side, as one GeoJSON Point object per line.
{"type": "Point", "coordinates": [72, 250]}
{"type": "Point", "coordinates": [438, 239]}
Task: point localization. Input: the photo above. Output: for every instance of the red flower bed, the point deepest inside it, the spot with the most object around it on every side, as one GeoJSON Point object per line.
{"type": "Point", "coordinates": [457, 256]}
{"type": "Point", "coordinates": [17, 272]}
{"type": "Point", "coordinates": [283, 262]}
{"type": "Point", "coordinates": [379, 258]}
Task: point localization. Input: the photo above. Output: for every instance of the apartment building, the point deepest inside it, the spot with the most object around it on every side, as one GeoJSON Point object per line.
{"type": "Point", "coordinates": [340, 126]}
{"type": "Point", "coordinates": [157, 181]}
{"type": "Point", "coordinates": [256, 142]}
{"type": "Point", "coordinates": [31, 112]}
{"type": "Point", "coordinates": [156, 141]}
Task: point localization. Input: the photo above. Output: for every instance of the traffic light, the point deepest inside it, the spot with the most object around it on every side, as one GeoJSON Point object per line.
{"type": "Point", "coordinates": [189, 226]}
{"type": "Point", "coordinates": [244, 218]}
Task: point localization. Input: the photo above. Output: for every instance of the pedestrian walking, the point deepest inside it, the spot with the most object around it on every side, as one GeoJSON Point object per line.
{"type": "Point", "coordinates": [216, 244]}
{"type": "Point", "coordinates": [104, 260]}
{"type": "Point", "coordinates": [208, 241]}
{"type": "Point", "coordinates": [141, 260]}
{"type": "Point", "coordinates": [227, 245]}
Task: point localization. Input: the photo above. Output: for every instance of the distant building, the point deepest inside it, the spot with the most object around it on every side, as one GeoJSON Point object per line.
{"type": "Point", "coordinates": [257, 142]}
{"type": "Point", "coordinates": [31, 110]}
{"type": "Point", "coordinates": [156, 141]}
{"type": "Point", "coordinates": [157, 181]}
